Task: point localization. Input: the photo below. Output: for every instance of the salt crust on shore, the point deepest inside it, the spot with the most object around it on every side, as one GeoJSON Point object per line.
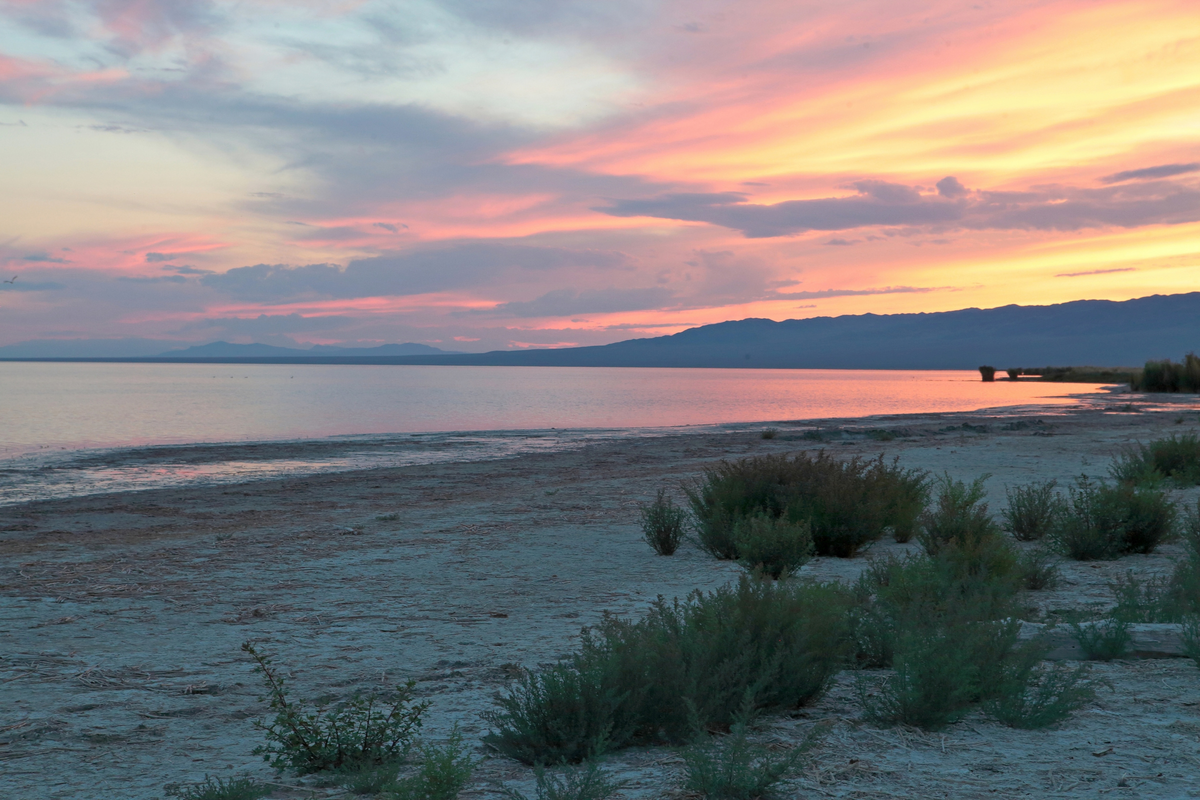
{"type": "Point", "coordinates": [121, 615]}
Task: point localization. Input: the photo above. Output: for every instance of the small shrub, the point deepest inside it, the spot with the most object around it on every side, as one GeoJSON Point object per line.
{"type": "Point", "coordinates": [848, 504]}
{"type": "Point", "coordinates": [219, 789]}
{"type": "Point", "coordinates": [362, 732]}
{"type": "Point", "coordinates": [371, 779]}
{"type": "Point", "coordinates": [563, 713]}
{"type": "Point", "coordinates": [662, 524]}
{"type": "Point", "coordinates": [1032, 510]}
{"type": "Point", "coordinates": [1039, 570]}
{"type": "Point", "coordinates": [1084, 531]}
{"type": "Point", "coordinates": [776, 547]}
{"type": "Point", "coordinates": [442, 773]}
{"type": "Point", "coordinates": [1176, 458]}
{"type": "Point", "coordinates": [934, 683]}
{"type": "Point", "coordinates": [734, 768]}
{"type": "Point", "coordinates": [1032, 696]}
{"type": "Point", "coordinates": [685, 664]}
{"type": "Point", "coordinates": [1102, 640]}
{"type": "Point", "coordinates": [769, 433]}
{"type": "Point", "coordinates": [585, 782]}
{"type": "Point", "coordinates": [959, 515]}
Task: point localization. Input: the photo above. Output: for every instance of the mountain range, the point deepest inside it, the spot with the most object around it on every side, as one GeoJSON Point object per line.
{"type": "Point", "coordinates": [1084, 332]}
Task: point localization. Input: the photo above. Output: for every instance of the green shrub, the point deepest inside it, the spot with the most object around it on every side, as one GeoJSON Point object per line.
{"type": "Point", "coordinates": [371, 779]}
{"type": "Point", "coordinates": [362, 732]}
{"type": "Point", "coordinates": [219, 789]}
{"type": "Point", "coordinates": [585, 782]}
{"type": "Point", "coordinates": [685, 663]}
{"type": "Point", "coordinates": [441, 774]}
{"type": "Point", "coordinates": [563, 713]}
{"type": "Point", "coordinates": [1176, 458]}
{"type": "Point", "coordinates": [1030, 695]}
{"type": "Point", "coordinates": [774, 546]}
{"type": "Point", "coordinates": [769, 433]}
{"type": "Point", "coordinates": [734, 768]}
{"type": "Point", "coordinates": [848, 504]}
{"type": "Point", "coordinates": [662, 524]}
{"type": "Point", "coordinates": [1079, 533]}
{"type": "Point", "coordinates": [1102, 640]}
{"type": "Point", "coordinates": [1032, 510]}
{"type": "Point", "coordinates": [1167, 376]}
{"type": "Point", "coordinates": [1105, 522]}
{"type": "Point", "coordinates": [959, 516]}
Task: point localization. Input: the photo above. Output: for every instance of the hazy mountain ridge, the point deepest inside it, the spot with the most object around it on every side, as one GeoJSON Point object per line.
{"type": "Point", "coordinates": [1082, 332]}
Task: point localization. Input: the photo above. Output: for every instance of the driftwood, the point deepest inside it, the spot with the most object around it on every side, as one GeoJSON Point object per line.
{"type": "Point", "coordinates": [1147, 640]}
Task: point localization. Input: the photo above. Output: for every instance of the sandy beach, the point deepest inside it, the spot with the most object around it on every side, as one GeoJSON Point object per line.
{"type": "Point", "coordinates": [122, 615]}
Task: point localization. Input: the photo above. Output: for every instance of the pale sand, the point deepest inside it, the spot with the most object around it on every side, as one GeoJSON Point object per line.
{"type": "Point", "coordinates": [122, 615]}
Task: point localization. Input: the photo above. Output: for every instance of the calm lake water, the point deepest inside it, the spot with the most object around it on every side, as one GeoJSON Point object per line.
{"type": "Point", "coordinates": [81, 428]}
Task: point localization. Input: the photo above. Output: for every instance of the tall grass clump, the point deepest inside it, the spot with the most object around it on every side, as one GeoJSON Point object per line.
{"type": "Point", "coordinates": [218, 789]}
{"type": "Point", "coordinates": [686, 664]}
{"type": "Point", "coordinates": [1032, 510]}
{"type": "Point", "coordinates": [363, 732]}
{"type": "Point", "coordinates": [441, 774]}
{"type": "Point", "coordinates": [1167, 376]}
{"type": "Point", "coordinates": [1102, 639]}
{"type": "Point", "coordinates": [662, 524]}
{"type": "Point", "coordinates": [1175, 458]}
{"type": "Point", "coordinates": [776, 547]}
{"type": "Point", "coordinates": [1105, 522]}
{"type": "Point", "coordinates": [1032, 695]}
{"type": "Point", "coordinates": [848, 504]}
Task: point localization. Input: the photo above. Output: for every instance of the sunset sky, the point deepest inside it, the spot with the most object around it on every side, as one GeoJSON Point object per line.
{"type": "Point", "coordinates": [484, 174]}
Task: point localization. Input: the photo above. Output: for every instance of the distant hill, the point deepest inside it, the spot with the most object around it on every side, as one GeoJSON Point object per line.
{"type": "Point", "coordinates": [228, 350]}
{"type": "Point", "coordinates": [1085, 332]}
{"type": "Point", "coordinates": [85, 348]}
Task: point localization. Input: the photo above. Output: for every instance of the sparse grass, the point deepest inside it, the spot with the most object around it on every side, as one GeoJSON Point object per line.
{"type": "Point", "coordinates": [1102, 640]}
{"type": "Point", "coordinates": [585, 782]}
{"type": "Point", "coordinates": [685, 664]}
{"type": "Point", "coordinates": [218, 789]}
{"type": "Point", "coordinates": [1039, 570]}
{"type": "Point", "coordinates": [1167, 376]}
{"type": "Point", "coordinates": [662, 524]}
{"type": "Point", "coordinates": [362, 732]}
{"type": "Point", "coordinates": [1032, 510]}
{"type": "Point", "coordinates": [734, 768]}
{"type": "Point", "coordinates": [441, 774]}
{"type": "Point", "coordinates": [1175, 458]}
{"type": "Point", "coordinates": [776, 547]}
{"type": "Point", "coordinates": [848, 504]}
{"type": "Point", "coordinates": [1031, 695]}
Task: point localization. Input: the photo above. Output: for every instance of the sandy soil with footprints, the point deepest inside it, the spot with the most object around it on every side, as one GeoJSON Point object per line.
{"type": "Point", "coordinates": [121, 616]}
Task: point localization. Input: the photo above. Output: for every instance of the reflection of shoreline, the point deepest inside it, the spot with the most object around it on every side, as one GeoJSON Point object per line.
{"type": "Point", "coordinates": [91, 472]}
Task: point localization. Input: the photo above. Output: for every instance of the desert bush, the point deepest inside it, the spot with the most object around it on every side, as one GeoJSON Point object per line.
{"type": "Point", "coordinates": [1167, 376]}
{"type": "Point", "coordinates": [1032, 510]}
{"type": "Point", "coordinates": [776, 547]}
{"type": "Point", "coordinates": [1030, 695]}
{"type": "Point", "coordinates": [371, 779]}
{"type": "Point", "coordinates": [1105, 522]}
{"type": "Point", "coordinates": [361, 732]}
{"type": "Point", "coordinates": [849, 504]}
{"type": "Point", "coordinates": [585, 782]}
{"type": "Point", "coordinates": [734, 768]}
{"type": "Point", "coordinates": [219, 789]}
{"type": "Point", "coordinates": [662, 524]}
{"type": "Point", "coordinates": [1038, 569]}
{"type": "Point", "coordinates": [441, 773]}
{"type": "Point", "coordinates": [769, 433]}
{"type": "Point", "coordinates": [563, 713]}
{"type": "Point", "coordinates": [686, 663]}
{"type": "Point", "coordinates": [1102, 640]}
{"type": "Point", "coordinates": [959, 515]}
{"type": "Point", "coordinates": [1176, 458]}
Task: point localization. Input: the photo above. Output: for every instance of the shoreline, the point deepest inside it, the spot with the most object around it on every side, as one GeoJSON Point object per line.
{"type": "Point", "coordinates": [123, 613]}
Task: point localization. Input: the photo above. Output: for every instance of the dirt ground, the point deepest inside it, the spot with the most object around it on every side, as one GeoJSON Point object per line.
{"type": "Point", "coordinates": [121, 616]}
